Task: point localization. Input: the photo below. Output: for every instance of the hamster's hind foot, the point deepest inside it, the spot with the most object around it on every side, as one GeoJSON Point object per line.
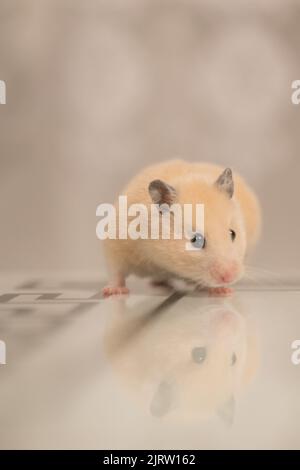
{"type": "Point", "coordinates": [109, 291]}
{"type": "Point", "coordinates": [220, 291]}
{"type": "Point", "coordinates": [162, 284]}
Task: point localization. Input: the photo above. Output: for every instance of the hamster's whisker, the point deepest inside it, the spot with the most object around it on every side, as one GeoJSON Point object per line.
{"type": "Point", "coordinates": [258, 273]}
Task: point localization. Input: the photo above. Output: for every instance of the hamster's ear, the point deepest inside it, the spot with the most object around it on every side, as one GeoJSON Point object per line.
{"type": "Point", "coordinates": [226, 411]}
{"type": "Point", "coordinates": [161, 192]}
{"type": "Point", "coordinates": [162, 400]}
{"type": "Point", "coordinates": [225, 182]}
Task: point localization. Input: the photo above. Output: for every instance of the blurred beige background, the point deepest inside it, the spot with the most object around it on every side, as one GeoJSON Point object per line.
{"type": "Point", "coordinates": [96, 89]}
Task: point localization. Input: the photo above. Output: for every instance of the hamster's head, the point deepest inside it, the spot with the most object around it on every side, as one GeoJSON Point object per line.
{"type": "Point", "coordinates": [216, 254]}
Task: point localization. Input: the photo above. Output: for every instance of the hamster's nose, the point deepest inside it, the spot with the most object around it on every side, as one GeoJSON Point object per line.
{"type": "Point", "coordinates": [225, 275]}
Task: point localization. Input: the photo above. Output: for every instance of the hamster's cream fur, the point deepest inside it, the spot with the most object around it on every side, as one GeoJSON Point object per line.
{"type": "Point", "coordinates": [231, 208]}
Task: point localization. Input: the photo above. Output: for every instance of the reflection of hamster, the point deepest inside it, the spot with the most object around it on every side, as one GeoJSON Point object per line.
{"type": "Point", "coordinates": [232, 224]}
{"type": "Point", "coordinates": [192, 367]}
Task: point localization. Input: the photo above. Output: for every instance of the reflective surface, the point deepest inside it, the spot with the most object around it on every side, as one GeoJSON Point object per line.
{"type": "Point", "coordinates": [154, 370]}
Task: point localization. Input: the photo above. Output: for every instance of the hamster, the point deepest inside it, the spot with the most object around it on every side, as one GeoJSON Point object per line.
{"type": "Point", "coordinates": [232, 217]}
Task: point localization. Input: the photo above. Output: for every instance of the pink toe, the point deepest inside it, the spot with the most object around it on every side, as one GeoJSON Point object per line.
{"type": "Point", "coordinates": [111, 290]}
{"type": "Point", "coordinates": [220, 291]}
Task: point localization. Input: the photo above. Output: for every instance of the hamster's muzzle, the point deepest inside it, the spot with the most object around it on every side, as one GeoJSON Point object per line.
{"type": "Point", "coordinates": [225, 274]}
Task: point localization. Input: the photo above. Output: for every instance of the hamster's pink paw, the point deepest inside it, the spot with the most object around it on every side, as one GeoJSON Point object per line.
{"type": "Point", "coordinates": [108, 291]}
{"type": "Point", "coordinates": [220, 291]}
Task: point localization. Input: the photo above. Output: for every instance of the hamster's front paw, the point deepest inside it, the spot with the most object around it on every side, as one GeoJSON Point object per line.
{"type": "Point", "coordinates": [220, 291]}
{"type": "Point", "coordinates": [109, 291]}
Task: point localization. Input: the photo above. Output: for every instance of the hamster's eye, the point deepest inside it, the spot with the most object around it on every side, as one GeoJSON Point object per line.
{"type": "Point", "coordinates": [232, 235]}
{"type": "Point", "coordinates": [233, 359]}
{"type": "Point", "coordinates": [198, 241]}
{"type": "Point", "coordinates": [199, 354]}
